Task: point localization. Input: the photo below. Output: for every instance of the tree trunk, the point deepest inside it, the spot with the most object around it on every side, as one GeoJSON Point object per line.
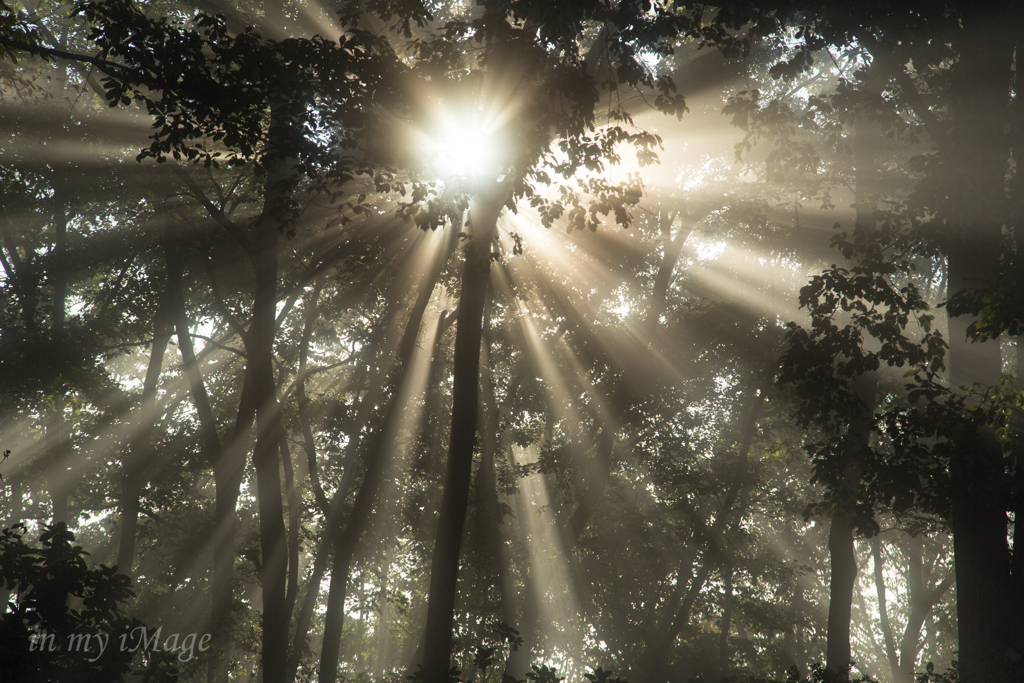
{"type": "Point", "coordinates": [883, 610]}
{"type": "Point", "coordinates": [259, 345]}
{"type": "Point", "coordinates": [984, 620]}
{"type": "Point", "coordinates": [1016, 188]}
{"type": "Point", "coordinates": [911, 634]}
{"type": "Point", "coordinates": [677, 616]}
{"type": "Point", "coordinates": [376, 456]}
{"type": "Point", "coordinates": [793, 652]}
{"type": "Point", "coordinates": [658, 654]}
{"type": "Point", "coordinates": [455, 498]}
{"type": "Point", "coordinates": [228, 473]}
{"type": "Point", "coordinates": [489, 519]}
{"type": "Point", "coordinates": [518, 663]}
{"type": "Point", "coordinates": [922, 602]}
{"type": "Point", "coordinates": [1017, 562]}
{"type": "Point", "coordinates": [294, 522]}
{"type": "Point", "coordinates": [140, 449]}
{"type": "Point", "coordinates": [843, 562]}
{"type": "Point", "coordinates": [728, 605]}
{"type": "Point", "coordinates": [979, 97]}
{"type": "Point", "coordinates": [57, 430]}
{"type": "Point", "coordinates": [227, 465]}
{"type": "Point", "coordinates": [842, 555]}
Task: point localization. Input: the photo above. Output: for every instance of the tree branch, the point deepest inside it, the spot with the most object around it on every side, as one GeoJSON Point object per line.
{"type": "Point", "coordinates": [222, 219]}
{"type": "Point", "coordinates": [111, 69]}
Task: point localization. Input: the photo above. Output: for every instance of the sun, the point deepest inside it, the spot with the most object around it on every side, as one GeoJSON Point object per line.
{"type": "Point", "coordinates": [463, 146]}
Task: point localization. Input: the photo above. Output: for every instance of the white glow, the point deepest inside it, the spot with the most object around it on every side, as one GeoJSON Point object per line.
{"type": "Point", "coordinates": [462, 146]}
{"type": "Point", "coordinates": [709, 250]}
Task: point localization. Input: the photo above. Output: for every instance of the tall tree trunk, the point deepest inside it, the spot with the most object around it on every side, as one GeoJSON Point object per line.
{"type": "Point", "coordinates": [1017, 562]}
{"type": "Point", "coordinates": [489, 518]}
{"type": "Point", "coordinates": [259, 345]}
{"type": "Point", "coordinates": [678, 617]}
{"type": "Point", "coordinates": [57, 430]}
{"type": "Point", "coordinates": [140, 448]}
{"type": "Point", "coordinates": [455, 498]}
{"type": "Point", "coordinates": [518, 663]}
{"type": "Point", "coordinates": [1016, 188]}
{"type": "Point", "coordinates": [227, 464]}
{"type": "Point", "coordinates": [659, 653]}
{"type": "Point", "coordinates": [842, 554]}
{"type": "Point", "coordinates": [294, 522]}
{"type": "Point", "coordinates": [979, 97]}
{"type": "Point", "coordinates": [793, 652]}
{"type": "Point", "coordinates": [305, 614]}
{"type": "Point", "coordinates": [728, 605]}
{"type": "Point", "coordinates": [840, 605]}
{"type": "Point", "coordinates": [376, 456]}
{"type": "Point", "coordinates": [228, 473]}
{"type": "Point", "coordinates": [984, 620]}
{"type": "Point", "coordinates": [984, 593]}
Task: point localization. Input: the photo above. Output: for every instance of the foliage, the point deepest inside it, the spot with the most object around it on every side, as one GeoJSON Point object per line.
{"type": "Point", "coordinates": [952, 675]}
{"type": "Point", "coordinates": [204, 85]}
{"type": "Point", "coordinates": [859, 320]}
{"type": "Point", "coordinates": [56, 600]}
{"type": "Point", "coordinates": [819, 674]}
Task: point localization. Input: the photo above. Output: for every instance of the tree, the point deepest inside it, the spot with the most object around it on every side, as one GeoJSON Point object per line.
{"type": "Point", "coordinates": [955, 166]}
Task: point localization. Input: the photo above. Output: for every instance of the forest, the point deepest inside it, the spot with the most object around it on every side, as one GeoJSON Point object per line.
{"type": "Point", "coordinates": [496, 341]}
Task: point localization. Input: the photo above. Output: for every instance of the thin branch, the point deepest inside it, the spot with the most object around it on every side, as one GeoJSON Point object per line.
{"type": "Point", "coordinates": [940, 590]}
{"type": "Point", "coordinates": [216, 187]}
{"type": "Point", "coordinates": [13, 249]}
{"type": "Point", "coordinates": [151, 513]}
{"type": "Point", "coordinates": [86, 74]}
{"type": "Point", "coordinates": [315, 268]}
{"type": "Point", "coordinates": [300, 384]}
{"type": "Point", "coordinates": [231, 192]}
{"type": "Point", "coordinates": [309, 372]}
{"type": "Point", "coordinates": [219, 344]}
{"type": "Point", "coordinates": [222, 219]}
{"type": "Point", "coordinates": [110, 68]}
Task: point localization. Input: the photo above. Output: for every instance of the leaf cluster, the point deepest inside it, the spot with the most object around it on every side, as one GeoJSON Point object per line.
{"type": "Point", "coordinates": [860, 317]}
{"type": "Point", "coordinates": [210, 92]}
{"type": "Point", "coordinates": [57, 594]}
